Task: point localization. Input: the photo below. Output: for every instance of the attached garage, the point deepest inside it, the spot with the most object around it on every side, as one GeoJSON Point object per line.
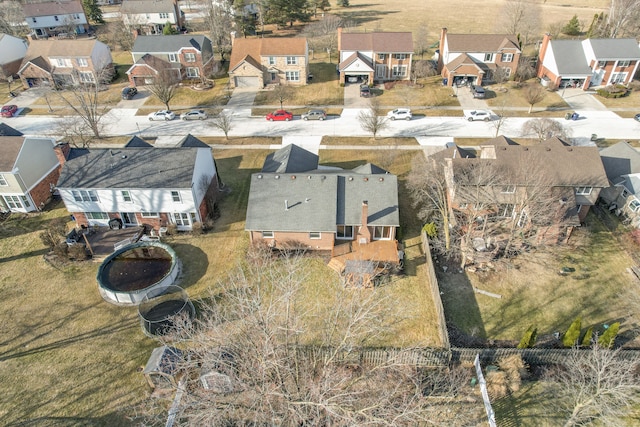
{"type": "Point", "coordinates": [245, 81]}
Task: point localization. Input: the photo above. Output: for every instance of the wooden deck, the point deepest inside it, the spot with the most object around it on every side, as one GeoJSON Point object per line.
{"type": "Point", "coordinates": [101, 242]}
{"type": "Point", "coordinates": [379, 251]}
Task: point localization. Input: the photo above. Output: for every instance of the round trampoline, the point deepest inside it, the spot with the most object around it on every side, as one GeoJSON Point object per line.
{"type": "Point", "coordinates": [160, 314]}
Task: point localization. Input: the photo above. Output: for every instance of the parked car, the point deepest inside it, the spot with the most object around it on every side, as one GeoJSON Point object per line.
{"type": "Point", "coordinates": [400, 114]}
{"type": "Point", "coordinates": [314, 115]}
{"type": "Point", "coordinates": [194, 115]}
{"type": "Point", "coordinates": [477, 91]}
{"type": "Point", "coordinates": [162, 115]}
{"type": "Point", "coordinates": [478, 115]}
{"type": "Point", "coordinates": [129, 92]}
{"type": "Point", "coordinates": [365, 91]}
{"type": "Point", "coordinates": [280, 115]}
{"type": "Point", "coordinates": [637, 117]}
{"type": "Point", "coordinates": [8, 110]}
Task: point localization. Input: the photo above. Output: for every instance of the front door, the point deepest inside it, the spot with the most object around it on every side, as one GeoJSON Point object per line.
{"type": "Point", "coordinates": [381, 71]}
{"type": "Point", "coordinates": [129, 219]}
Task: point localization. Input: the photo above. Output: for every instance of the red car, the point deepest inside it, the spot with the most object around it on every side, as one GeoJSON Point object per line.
{"type": "Point", "coordinates": [8, 110]}
{"type": "Point", "coordinates": [280, 115]}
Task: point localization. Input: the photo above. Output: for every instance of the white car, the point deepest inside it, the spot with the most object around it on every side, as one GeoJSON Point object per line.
{"type": "Point", "coordinates": [478, 115]}
{"type": "Point", "coordinates": [194, 115]}
{"type": "Point", "coordinates": [399, 114]}
{"type": "Point", "coordinates": [162, 115]}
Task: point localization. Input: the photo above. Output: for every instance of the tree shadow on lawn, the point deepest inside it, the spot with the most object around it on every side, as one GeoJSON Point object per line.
{"type": "Point", "coordinates": [194, 263]}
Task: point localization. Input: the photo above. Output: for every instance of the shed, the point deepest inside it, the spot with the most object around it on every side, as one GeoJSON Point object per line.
{"type": "Point", "coordinates": [162, 369]}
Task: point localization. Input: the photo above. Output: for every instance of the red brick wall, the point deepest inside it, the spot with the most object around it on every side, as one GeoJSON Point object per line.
{"type": "Point", "coordinates": [212, 194]}
{"type": "Point", "coordinates": [297, 240]}
{"type": "Point", "coordinates": [140, 71]}
{"type": "Point", "coordinates": [198, 63]}
{"type": "Point", "coordinates": [41, 193]}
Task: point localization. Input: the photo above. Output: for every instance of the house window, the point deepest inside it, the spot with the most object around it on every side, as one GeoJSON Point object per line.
{"type": "Point", "coordinates": [583, 191]}
{"type": "Point", "coordinates": [522, 221]}
{"type": "Point", "coordinates": [56, 17]}
{"type": "Point", "coordinates": [274, 76]}
{"type": "Point", "coordinates": [345, 232]}
{"type": "Point", "coordinates": [164, 15]}
{"type": "Point", "coordinates": [508, 189]}
{"type": "Point", "coordinates": [272, 60]}
{"type": "Point", "coordinates": [76, 16]}
{"type": "Point", "coordinates": [149, 214]}
{"type": "Point", "coordinates": [618, 77]}
{"type": "Point", "coordinates": [84, 195]}
{"type": "Point", "coordinates": [292, 76]}
{"type": "Point", "coordinates": [488, 57]}
{"type": "Point", "coordinates": [578, 208]}
{"type": "Point", "coordinates": [182, 219]}
{"type": "Point", "coordinates": [624, 63]}
{"type": "Point", "coordinates": [190, 57]}
{"type": "Point", "coordinates": [82, 62]}
{"type": "Point", "coordinates": [267, 234]}
{"type": "Point", "coordinates": [601, 64]}
{"type": "Point", "coordinates": [292, 60]}
{"type": "Point", "coordinates": [625, 193]}
{"type": "Point", "coordinates": [34, 20]}
{"type": "Point", "coordinates": [399, 71]}
{"type": "Point", "coordinates": [193, 72]}
{"type": "Point", "coordinates": [86, 77]}
{"type": "Point", "coordinates": [507, 72]}
{"type": "Point", "coordinates": [381, 233]}
{"type": "Point", "coordinates": [17, 202]}
{"type": "Point", "coordinates": [382, 56]}
{"type": "Point", "coordinates": [59, 62]}
{"type": "Point", "coordinates": [173, 57]}
{"type": "Point", "coordinates": [400, 55]}
{"type": "Point", "coordinates": [96, 215]}
{"type": "Point", "coordinates": [634, 205]}
{"type": "Point", "coordinates": [315, 235]}
{"type": "Point", "coordinates": [506, 210]}
{"type": "Point", "coordinates": [126, 196]}
{"type": "Point", "coordinates": [507, 57]}
{"type": "Point", "coordinates": [175, 196]}
{"type": "Point", "coordinates": [3, 181]}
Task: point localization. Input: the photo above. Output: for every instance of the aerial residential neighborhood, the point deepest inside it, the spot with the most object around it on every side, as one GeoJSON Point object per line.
{"type": "Point", "coordinates": [320, 212]}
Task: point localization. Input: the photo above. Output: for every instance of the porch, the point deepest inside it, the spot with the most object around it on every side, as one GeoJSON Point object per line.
{"type": "Point", "coordinates": [102, 241]}
{"type": "Point", "coordinates": [359, 263]}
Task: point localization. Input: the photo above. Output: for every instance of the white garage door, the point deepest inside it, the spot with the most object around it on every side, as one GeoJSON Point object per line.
{"type": "Point", "coordinates": [247, 82]}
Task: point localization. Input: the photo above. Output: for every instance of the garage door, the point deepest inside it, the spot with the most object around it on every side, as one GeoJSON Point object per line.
{"type": "Point", "coordinates": [247, 82]}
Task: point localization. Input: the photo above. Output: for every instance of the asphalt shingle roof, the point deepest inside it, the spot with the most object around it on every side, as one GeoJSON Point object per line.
{"type": "Point", "coordinates": [291, 159]}
{"type": "Point", "coordinates": [169, 44]}
{"type": "Point", "coordinates": [401, 42]}
{"type": "Point", "coordinates": [570, 58]}
{"type": "Point", "coordinates": [147, 6]}
{"type": "Point", "coordinates": [481, 42]}
{"type": "Point", "coordinates": [612, 49]}
{"type": "Point", "coordinates": [6, 130]}
{"type": "Point", "coordinates": [620, 159]}
{"type": "Point", "coordinates": [52, 8]}
{"type": "Point", "coordinates": [9, 149]}
{"type": "Point", "coordinates": [253, 49]}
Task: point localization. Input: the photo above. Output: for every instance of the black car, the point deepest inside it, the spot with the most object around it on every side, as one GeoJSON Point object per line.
{"type": "Point", "coordinates": [365, 91]}
{"type": "Point", "coordinates": [129, 92]}
{"type": "Point", "coordinates": [477, 91]}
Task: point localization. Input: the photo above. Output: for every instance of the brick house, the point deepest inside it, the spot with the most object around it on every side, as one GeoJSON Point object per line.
{"type": "Point", "coordinates": [622, 164]}
{"type": "Point", "coordinates": [542, 190]}
{"type": "Point", "coordinates": [374, 57]}
{"type": "Point", "coordinates": [185, 56]}
{"type": "Point", "coordinates": [295, 203]}
{"type": "Point", "coordinates": [586, 63]}
{"type": "Point", "coordinates": [475, 58]}
{"type": "Point", "coordinates": [12, 52]}
{"type": "Point", "coordinates": [265, 61]}
{"type": "Point", "coordinates": [151, 16]}
{"type": "Point", "coordinates": [139, 184]}
{"type": "Point", "coordinates": [29, 169]}
{"type": "Point", "coordinates": [55, 18]}
{"type": "Point", "coordinates": [65, 62]}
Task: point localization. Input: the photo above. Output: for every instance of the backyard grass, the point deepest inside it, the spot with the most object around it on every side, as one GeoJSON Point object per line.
{"type": "Point", "coordinates": [356, 140]}
{"type": "Point", "coordinates": [534, 293]}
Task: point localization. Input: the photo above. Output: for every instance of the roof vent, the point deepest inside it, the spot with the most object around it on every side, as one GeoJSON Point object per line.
{"type": "Point", "coordinates": [259, 176]}
{"type": "Point", "coordinates": [381, 179]}
{"type": "Point", "coordinates": [350, 178]}
{"type": "Point", "coordinates": [308, 176]}
{"type": "Point", "coordinates": [503, 148]}
{"type": "Point", "coordinates": [124, 156]}
{"type": "Point", "coordinates": [525, 148]}
{"type": "Point", "coordinates": [293, 177]}
{"type": "Point", "coordinates": [569, 149]}
{"type": "Point", "coordinates": [366, 179]}
{"type": "Point", "coordinates": [277, 177]}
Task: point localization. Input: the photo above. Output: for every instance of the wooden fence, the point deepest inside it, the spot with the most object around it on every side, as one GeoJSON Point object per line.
{"type": "Point", "coordinates": [435, 292]}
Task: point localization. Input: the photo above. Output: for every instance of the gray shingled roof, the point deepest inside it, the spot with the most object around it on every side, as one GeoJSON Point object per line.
{"type": "Point", "coordinates": [192, 141]}
{"type": "Point", "coordinates": [147, 6]}
{"type": "Point", "coordinates": [6, 130]}
{"type": "Point", "coordinates": [290, 159]}
{"type": "Point", "coordinates": [169, 44]}
{"type": "Point", "coordinates": [129, 168]}
{"type": "Point", "coordinates": [620, 159]}
{"type": "Point", "coordinates": [612, 49]}
{"type": "Point", "coordinates": [569, 57]}
{"type": "Point", "coordinates": [136, 142]}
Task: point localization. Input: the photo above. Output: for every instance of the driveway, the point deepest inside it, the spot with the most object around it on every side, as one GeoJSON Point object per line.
{"type": "Point", "coordinates": [352, 98]}
{"type": "Point", "coordinates": [578, 99]}
{"type": "Point", "coordinates": [466, 99]}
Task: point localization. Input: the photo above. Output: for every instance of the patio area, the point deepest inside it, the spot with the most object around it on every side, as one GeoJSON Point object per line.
{"type": "Point", "coordinates": [103, 241]}
{"type": "Point", "coordinates": [359, 264]}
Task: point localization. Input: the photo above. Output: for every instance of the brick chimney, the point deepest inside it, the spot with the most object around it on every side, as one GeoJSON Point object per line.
{"type": "Point", "coordinates": [62, 151]}
{"type": "Point", "coordinates": [546, 39]}
{"type": "Point", "coordinates": [443, 33]}
{"type": "Point", "coordinates": [364, 235]}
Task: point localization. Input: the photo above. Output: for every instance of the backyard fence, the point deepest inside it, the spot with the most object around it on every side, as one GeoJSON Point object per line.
{"type": "Point", "coordinates": [435, 292]}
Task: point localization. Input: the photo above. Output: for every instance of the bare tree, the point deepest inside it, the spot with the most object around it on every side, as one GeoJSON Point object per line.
{"type": "Point", "coordinates": [534, 93]}
{"type": "Point", "coordinates": [622, 18]}
{"type": "Point", "coordinates": [323, 34]}
{"type": "Point", "coordinates": [421, 39]}
{"type": "Point", "coordinates": [500, 75]}
{"type": "Point", "coordinates": [282, 93]}
{"type": "Point", "coordinates": [520, 17]}
{"type": "Point", "coordinates": [224, 122]}
{"type": "Point", "coordinates": [546, 128]}
{"type": "Point", "coordinates": [500, 117]}
{"type": "Point", "coordinates": [11, 19]}
{"type": "Point", "coordinates": [218, 22]}
{"type": "Point", "coordinates": [372, 120]}
{"type": "Point", "coordinates": [422, 69]}
{"type": "Point", "coordinates": [164, 86]}
{"type": "Point", "coordinates": [525, 70]}
{"type": "Point", "coordinates": [596, 385]}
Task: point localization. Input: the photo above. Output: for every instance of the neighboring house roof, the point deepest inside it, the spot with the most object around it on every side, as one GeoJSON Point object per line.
{"type": "Point", "coordinates": [481, 42]}
{"type": "Point", "coordinates": [253, 49]}
{"type": "Point", "coordinates": [632, 183]}
{"type": "Point", "coordinates": [129, 167]}
{"type": "Point", "coordinates": [369, 168]}
{"type": "Point", "coordinates": [52, 8]}
{"type": "Point", "coordinates": [136, 142]}
{"type": "Point", "coordinates": [40, 50]}
{"type": "Point", "coordinates": [147, 6]}
{"type": "Point", "coordinates": [192, 141]}
{"type": "Point", "coordinates": [620, 159]}
{"type": "Point", "coordinates": [378, 42]}
{"type": "Point", "coordinates": [569, 57]}
{"type": "Point", "coordinates": [169, 43]}
{"type": "Point", "coordinates": [11, 48]}
{"type": "Point", "coordinates": [9, 149]}
{"type": "Point", "coordinates": [612, 49]}
{"type": "Point", "coordinates": [290, 159]}
{"type": "Point", "coordinates": [6, 130]}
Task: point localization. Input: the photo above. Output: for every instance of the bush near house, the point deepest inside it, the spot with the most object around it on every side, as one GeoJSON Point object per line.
{"type": "Point", "coordinates": [572, 335]}
{"type": "Point", "coordinates": [613, 91]}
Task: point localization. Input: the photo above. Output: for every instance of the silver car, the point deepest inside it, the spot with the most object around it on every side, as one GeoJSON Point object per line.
{"type": "Point", "coordinates": [162, 115]}
{"type": "Point", "coordinates": [314, 115]}
{"type": "Point", "coordinates": [194, 115]}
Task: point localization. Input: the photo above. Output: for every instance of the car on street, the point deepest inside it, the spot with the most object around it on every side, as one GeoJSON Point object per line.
{"type": "Point", "coordinates": [637, 117]}
{"type": "Point", "coordinates": [129, 92]}
{"type": "Point", "coordinates": [478, 91]}
{"type": "Point", "coordinates": [162, 115]}
{"type": "Point", "coordinates": [8, 110]}
{"type": "Point", "coordinates": [280, 115]}
{"type": "Point", "coordinates": [194, 115]}
{"type": "Point", "coordinates": [474, 115]}
{"type": "Point", "coordinates": [400, 114]}
{"type": "Point", "coordinates": [365, 91]}
{"type": "Point", "coordinates": [314, 115]}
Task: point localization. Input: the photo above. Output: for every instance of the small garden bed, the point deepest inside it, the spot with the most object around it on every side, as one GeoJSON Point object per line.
{"type": "Point", "coordinates": [613, 91]}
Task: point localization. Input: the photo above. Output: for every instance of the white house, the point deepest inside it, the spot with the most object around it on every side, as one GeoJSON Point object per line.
{"type": "Point", "coordinates": [12, 51]}
{"type": "Point", "coordinates": [151, 16]}
{"type": "Point", "coordinates": [29, 168]}
{"type": "Point", "coordinates": [139, 184]}
{"type": "Point", "coordinates": [55, 17]}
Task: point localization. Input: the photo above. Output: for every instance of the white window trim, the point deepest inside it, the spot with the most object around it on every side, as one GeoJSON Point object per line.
{"type": "Point", "coordinates": [634, 205]}
{"type": "Point", "coordinates": [292, 60]}
{"type": "Point", "coordinates": [292, 76]}
{"type": "Point", "coordinates": [272, 60]}
{"type": "Point", "coordinates": [624, 63]}
{"type": "Point", "coordinates": [488, 57]}
{"type": "Point", "coordinates": [82, 62]}
{"type": "Point", "coordinates": [195, 74]}
{"type": "Point", "coordinates": [268, 234]}
{"type": "Point", "coordinates": [190, 57]}
{"type": "Point", "coordinates": [101, 215]}
{"type": "Point", "coordinates": [149, 214]}
{"type": "Point", "coordinates": [400, 56]}
{"type": "Point", "coordinates": [126, 194]}
{"type": "Point", "coordinates": [508, 189]}
{"type": "Point", "coordinates": [507, 55]}
{"type": "Point", "coordinates": [345, 237]}
{"type": "Point", "coordinates": [583, 191]}
{"type": "Point", "coordinates": [382, 57]}
{"type": "Point", "coordinates": [173, 197]}
{"type": "Point", "coordinates": [395, 71]}
{"type": "Point", "coordinates": [3, 181]}
{"type": "Point", "coordinates": [383, 227]}
{"type": "Point", "coordinates": [315, 235]}
{"type": "Point", "coordinates": [173, 57]}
